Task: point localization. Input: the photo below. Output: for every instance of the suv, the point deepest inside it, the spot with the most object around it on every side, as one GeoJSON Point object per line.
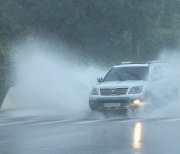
{"type": "Point", "coordinates": [132, 85]}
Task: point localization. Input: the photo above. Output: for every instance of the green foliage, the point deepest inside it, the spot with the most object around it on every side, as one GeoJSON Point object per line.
{"type": "Point", "coordinates": [8, 31]}
{"type": "Point", "coordinates": [107, 31]}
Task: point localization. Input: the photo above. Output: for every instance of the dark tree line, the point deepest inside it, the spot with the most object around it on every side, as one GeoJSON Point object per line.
{"type": "Point", "coordinates": [103, 30]}
{"type": "Point", "coordinates": [106, 29]}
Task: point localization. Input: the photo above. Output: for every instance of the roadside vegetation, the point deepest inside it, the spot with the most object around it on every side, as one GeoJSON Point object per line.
{"type": "Point", "coordinates": [107, 31]}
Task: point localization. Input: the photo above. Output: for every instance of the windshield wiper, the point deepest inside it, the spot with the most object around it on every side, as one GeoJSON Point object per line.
{"type": "Point", "coordinates": [134, 75]}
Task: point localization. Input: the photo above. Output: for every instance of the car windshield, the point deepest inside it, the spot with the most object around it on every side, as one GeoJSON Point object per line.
{"type": "Point", "coordinates": [127, 73]}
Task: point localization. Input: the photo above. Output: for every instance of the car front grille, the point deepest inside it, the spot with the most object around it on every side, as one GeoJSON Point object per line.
{"type": "Point", "coordinates": [113, 91]}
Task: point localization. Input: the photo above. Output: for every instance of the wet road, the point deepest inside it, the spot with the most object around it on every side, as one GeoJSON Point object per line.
{"type": "Point", "coordinates": [55, 135]}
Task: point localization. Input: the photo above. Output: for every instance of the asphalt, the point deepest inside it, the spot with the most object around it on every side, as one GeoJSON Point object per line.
{"type": "Point", "coordinates": [89, 135]}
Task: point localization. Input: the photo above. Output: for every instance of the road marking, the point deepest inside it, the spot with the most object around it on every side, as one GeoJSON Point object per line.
{"type": "Point", "coordinates": [169, 120]}
{"type": "Point", "coordinates": [95, 120]}
{"type": "Point", "coordinates": [18, 122]}
{"type": "Point", "coordinates": [88, 121]}
{"type": "Point", "coordinates": [127, 120]}
{"type": "Point", "coordinates": [38, 121]}
{"type": "Point", "coordinates": [54, 121]}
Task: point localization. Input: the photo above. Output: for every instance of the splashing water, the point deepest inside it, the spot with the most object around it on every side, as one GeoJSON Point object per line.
{"type": "Point", "coordinates": [52, 84]}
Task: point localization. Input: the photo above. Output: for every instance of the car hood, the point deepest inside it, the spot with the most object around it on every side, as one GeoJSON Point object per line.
{"type": "Point", "coordinates": [116, 84]}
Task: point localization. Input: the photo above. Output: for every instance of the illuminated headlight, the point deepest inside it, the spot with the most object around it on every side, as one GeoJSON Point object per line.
{"type": "Point", "coordinates": [95, 91]}
{"type": "Point", "coordinates": [138, 102]}
{"type": "Point", "coordinates": [136, 90]}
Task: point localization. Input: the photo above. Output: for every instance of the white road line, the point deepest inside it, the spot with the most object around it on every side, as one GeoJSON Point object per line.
{"type": "Point", "coordinates": [53, 122]}
{"type": "Point", "coordinates": [89, 121]}
{"type": "Point", "coordinates": [95, 120]}
{"type": "Point", "coordinates": [169, 120]}
{"type": "Point", "coordinates": [127, 121]}
{"type": "Point", "coordinates": [18, 122]}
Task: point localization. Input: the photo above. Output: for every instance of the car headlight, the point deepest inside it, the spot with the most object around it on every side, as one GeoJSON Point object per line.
{"type": "Point", "coordinates": [95, 91]}
{"type": "Point", "coordinates": [136, 90]}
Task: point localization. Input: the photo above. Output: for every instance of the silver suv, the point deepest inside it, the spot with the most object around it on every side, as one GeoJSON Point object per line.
{"type": "Point", "coordinates": [131, 85]}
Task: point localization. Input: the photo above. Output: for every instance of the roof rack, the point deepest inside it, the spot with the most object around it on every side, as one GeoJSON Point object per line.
{"type": "Point", "coordinates": [156, 61]}
{"type": "Point", "coordinates": [129, 62]}
{"type": "Point", "coordinates": [126, 62]}
{"type": "Point", "coordinates": [148, 62]}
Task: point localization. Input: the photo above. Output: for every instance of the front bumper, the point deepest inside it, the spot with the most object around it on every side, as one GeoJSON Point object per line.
{"type": "Point", "coordinates": [98, 103]}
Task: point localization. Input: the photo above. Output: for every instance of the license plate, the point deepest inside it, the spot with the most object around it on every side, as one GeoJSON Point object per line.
{"type": "Point", "coordinates": [112, 104]}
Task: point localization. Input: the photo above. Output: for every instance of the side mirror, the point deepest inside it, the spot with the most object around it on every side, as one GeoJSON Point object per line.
{"type": "Point", "coordinates": [99, 80]}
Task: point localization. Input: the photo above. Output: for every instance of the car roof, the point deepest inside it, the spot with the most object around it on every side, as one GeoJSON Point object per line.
{"type": "Point", "coordinates": [139, 64]}
{"type": "Point", "coordinates": [132, 65]}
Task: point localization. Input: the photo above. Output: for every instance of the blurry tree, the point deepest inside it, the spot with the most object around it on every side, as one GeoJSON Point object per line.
{"type": "Point", "coordinates": [106, 31]}
{"type": "Point", "coordinates": [8, 30]}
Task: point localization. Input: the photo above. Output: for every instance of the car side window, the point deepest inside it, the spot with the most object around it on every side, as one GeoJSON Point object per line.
{"type": "Point", "coordinates": [160, 72]}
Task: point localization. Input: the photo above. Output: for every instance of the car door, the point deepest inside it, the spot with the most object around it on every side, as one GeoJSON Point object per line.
{"type": "Point", "coordinates": [160, 83]}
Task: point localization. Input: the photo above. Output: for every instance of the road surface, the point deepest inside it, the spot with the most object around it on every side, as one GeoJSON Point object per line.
{"type": "Point", "coordinates": [90, 135]}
